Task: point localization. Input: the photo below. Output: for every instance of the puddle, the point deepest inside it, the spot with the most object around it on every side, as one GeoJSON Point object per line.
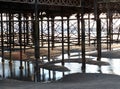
{"type": "Point", "coordinates": [47, 75]}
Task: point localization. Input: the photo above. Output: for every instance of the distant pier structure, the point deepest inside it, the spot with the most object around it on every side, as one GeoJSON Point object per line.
{"type": "Point", "coordinates": [36, 31]}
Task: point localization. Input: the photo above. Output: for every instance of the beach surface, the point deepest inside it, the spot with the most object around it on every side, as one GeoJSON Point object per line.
{"type": "Point", "coordinates": [72, 81]}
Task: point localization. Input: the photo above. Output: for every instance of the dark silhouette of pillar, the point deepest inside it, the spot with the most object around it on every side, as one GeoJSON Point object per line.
{"type": "Point", "coordinates": [37, 48]}
{"type": "Point", "coordinates": [83, 37]}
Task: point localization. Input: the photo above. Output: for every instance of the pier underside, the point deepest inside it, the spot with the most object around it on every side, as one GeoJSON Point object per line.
{"type": "Point", "coordinates": [39, 32]}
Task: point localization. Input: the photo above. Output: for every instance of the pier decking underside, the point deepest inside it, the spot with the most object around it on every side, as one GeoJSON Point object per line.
{"type": "Point", "coordinates": [37, 33]}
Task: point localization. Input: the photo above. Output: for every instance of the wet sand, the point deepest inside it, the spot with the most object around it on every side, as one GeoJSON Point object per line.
{"type": "Point", "coordinates": [73, 81]}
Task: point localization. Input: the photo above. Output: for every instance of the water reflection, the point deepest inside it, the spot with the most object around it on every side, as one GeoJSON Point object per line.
{"type": "Point", "coordinates": [12, 70]}
{"type": "Point", "coordinates": [113, 68]}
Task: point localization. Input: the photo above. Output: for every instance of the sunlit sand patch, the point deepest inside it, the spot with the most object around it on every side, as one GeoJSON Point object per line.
{"type": "Point", "coordinates": [16, 55]}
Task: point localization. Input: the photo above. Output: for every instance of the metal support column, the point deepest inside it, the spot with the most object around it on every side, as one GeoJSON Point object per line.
{"type": "Point", "coordinates": [27, 30]}
{"type": "Point", "coordinates": [110, 30]}
{"type": "Point", "coordinates": [98, 38]}
{"type": "Point", "coordinates": [10, 37]}
{"type": "Point", "coordinates": [107, 31]}
{"type": "Point", "coordinates": [62, 41]}
{"type": "Point", "coordinates": [68, 35]}
{"type": "Point", "coordinates": [37, 48]}
{"type": "Point", "coordinates": [48, 29]}
{"type": "Point", "coordinates": [10, 43]}
{"type": "Point", "coordinates": [20, 42]}
{"type": "Point", "coordinates": [2, 46]}
{"type": "Point", "coordinates": [83, 38]}
{"type": "Point", "coordinates": [78, 27]}
{"type": "Point", "coordinates": [98, 29]}
{"type": "Point", "coordinates": [89, 28]}
{"type": "Point", "coordinates": [53, 39]}
{"type": "Point", "coordinates": [42, 31]}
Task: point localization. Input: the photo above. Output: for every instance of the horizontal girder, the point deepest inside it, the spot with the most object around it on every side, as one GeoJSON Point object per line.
{"type": "Point", "coordinates": [49, 2]}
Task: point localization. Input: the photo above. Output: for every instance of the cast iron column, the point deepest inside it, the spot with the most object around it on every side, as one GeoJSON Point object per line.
{"type": "Point", "coordinates": [2, 44]}
{"type": "Point", "coordinates": [62, 28]}
{"type": "Point", "coordinates": [36, 36]}
{"type": "Point", "coordinates": [20, 44]}
{"type": "Point", "coordinates": [98, 29]}
{"type": "Point", "coordinates": [78, 27]}
{"type": "Point", "coordinates": [52, 30]}
{"type": "Point", "coordinates": [83, 37]}
{"type": "Point", "coordinates": [98, 38]}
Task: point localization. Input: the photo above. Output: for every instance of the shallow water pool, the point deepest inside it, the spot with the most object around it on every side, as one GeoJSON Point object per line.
{"type": "Point", "coordinates": [13, 71]}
